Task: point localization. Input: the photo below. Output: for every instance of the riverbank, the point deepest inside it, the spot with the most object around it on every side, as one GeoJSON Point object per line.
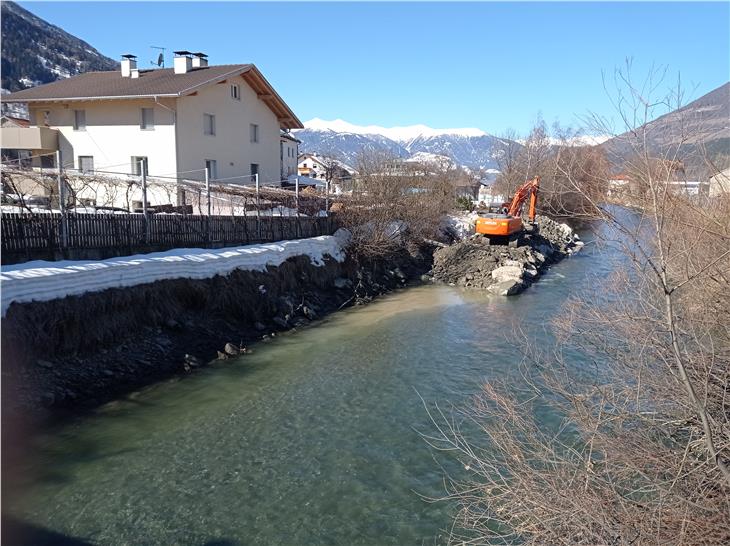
{"type": "Point", "coordinates": [500, 269]}
{"type": "Point", "coordinates": [88, 348]}
{"type": "Point", "coordinates": [102, 332]}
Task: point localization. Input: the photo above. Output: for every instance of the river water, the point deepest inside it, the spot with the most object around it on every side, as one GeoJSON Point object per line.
{"type": "Point", "coordinates": [312, 439]}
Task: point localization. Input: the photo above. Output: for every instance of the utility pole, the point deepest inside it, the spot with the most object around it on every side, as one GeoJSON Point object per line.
{"type": "Point", "coordinates": [296, 193]}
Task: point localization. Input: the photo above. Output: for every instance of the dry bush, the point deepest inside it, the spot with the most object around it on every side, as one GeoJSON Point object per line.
{"type": "Point", "coordinates": [393, 204]}
{"type": "Point", "coordinates": [562, 161]}
{"type": "Point", "coordinates": [620, 433]}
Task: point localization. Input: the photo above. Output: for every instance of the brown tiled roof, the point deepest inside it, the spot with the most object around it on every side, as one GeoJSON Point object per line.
{"type": "Point", "coordinates": [155, 83]}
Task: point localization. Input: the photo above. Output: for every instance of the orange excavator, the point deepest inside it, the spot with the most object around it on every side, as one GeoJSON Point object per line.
{"type": "Point", "coordinates": [505, 225]}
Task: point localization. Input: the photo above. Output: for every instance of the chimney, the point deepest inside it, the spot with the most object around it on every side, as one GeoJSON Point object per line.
{"type": "Point", "coordinates": [183, 62]}
{"type": "Point", "coordinates": [134, 74]}
{"type": "Point", "coordinates": [200, 60]}
{"type": "Point", "coordinates": [129, 63]}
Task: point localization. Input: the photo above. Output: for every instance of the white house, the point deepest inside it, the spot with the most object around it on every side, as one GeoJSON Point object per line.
{"type": "Point", "coordinates": [720, 184]}
{"type": "Point", "coordinates": [180, 121]}
{"type": "Point", "coordinates": [289, 153]}
{"type": "Point", "coordinates": [315, 166]}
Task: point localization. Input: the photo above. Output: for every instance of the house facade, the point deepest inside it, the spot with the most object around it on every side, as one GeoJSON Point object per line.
{"type": "Point", "coordinates": [178, 121]}
{"type": "Point", "coordinates": [289, 152]}
{"type": "Point", "coordinates": [719, 185]}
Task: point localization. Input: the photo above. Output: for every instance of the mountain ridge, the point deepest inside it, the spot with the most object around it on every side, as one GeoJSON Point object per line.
{"type": "Point", "coordinates": [468, 147]}
{"type": "Point", "coordinates": [35, 52]}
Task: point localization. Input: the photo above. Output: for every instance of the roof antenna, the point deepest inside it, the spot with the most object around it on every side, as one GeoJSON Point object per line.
{"type": "Point", "coordinates": [160, 58]}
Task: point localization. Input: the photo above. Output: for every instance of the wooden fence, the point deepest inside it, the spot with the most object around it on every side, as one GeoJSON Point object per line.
{"type": "Point", "coordinates": [96, 236]}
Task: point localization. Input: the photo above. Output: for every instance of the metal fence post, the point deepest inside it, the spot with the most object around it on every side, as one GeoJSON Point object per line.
{"type": "Point", "coordinates": [296, 194]}
{"type": "Point", "coordinates": [258, 207]}
{"type": "Point", "coordinates": [143, 170]}
{"type": "Point", "coordinates": [62, 202]}
{"type": "Point", "coordinates": [298, 232]}
{"type": "Point", "coordinates": [207, 193]}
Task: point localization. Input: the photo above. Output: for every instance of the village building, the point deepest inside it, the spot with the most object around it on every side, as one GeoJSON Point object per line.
{"type": "Point", "coordinates": [289, 153]}
{"type": "Point", "coordinates": [176, 122]}
{"type": "Point", "coordinates": [720, 184]}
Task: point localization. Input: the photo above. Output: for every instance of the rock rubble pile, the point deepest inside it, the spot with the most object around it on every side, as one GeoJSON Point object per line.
{"type": "Point", "coordinates": [500, 269]}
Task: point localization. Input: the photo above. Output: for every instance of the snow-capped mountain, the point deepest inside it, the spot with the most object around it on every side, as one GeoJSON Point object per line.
{"type": "Point", "coordinates": [468, 147]}
{"type": "Point", "coordinates": [35, 52]}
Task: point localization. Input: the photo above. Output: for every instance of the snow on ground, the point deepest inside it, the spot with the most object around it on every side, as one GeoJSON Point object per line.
{"type": "Point", "coordinates": [460, 226]}
{"type": "Point", "coordinates": [43, 281]}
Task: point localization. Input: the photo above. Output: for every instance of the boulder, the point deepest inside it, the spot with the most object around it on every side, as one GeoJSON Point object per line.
{"type": "Point", "coordinates": [231, 350]}
{"type": "Point", "coordinates": [281, 321]}
{"type": "Point", "coordinates": [507, 288]}
{"type": "Point", "coordinates": [342, 282]}
{"type": "Point", "coordinates": [507, 273]}
{"type": "Point", "coordinates": [193, 361]}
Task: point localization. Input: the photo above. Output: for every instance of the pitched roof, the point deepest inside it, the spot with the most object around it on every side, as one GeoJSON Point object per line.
{"type": "Point", "coordinates": [110, 85]}
{"type": "Point", "coordinates": [19, 122]}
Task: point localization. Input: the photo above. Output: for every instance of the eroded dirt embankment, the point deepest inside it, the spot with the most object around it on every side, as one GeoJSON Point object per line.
{"type": "Point", "coordinates": [501, 269]}
{"type": "Point", "coordinates": [86, 349]}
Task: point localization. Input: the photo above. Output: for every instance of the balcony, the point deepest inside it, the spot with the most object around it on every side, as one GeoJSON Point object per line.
{"type": "Point", "coordinates": [29, 138]}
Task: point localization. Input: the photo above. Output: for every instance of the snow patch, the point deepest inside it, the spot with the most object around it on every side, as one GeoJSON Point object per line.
{"type": "Point", "coordinates": [43, 281]}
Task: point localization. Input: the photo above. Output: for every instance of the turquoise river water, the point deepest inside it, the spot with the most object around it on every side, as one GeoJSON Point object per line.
{"type": "Point", "coordinates": [312, 439]}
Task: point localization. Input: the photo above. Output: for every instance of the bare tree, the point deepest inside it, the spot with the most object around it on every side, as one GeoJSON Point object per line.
{"type": "Point", "coordinates": [639, 448]}
{"type": "Point", "coordinates": [394, 203]}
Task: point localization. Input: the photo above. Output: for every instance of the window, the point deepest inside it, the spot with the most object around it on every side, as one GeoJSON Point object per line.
{"type": "Point", "coordinates": [148, 119]}
{"type": "Point", "coordinates": [137, 168]}
{"type": "Point", "coordinates": [86, 162]}
{"type": "Point", "coordinates": [46, 117]}
{"type": "Point", "coordinates": [254, 132]}
{"type": "Point", "coordinates": [236, 92]}
{"type": "Point", "coordinates": [209, 124]}
{"type": "Point", "coordinates": [79, 120]}
{"type": "Point", "coordinates": [212, 166]}
{"type": "Point", "coordinates": [254, 169]}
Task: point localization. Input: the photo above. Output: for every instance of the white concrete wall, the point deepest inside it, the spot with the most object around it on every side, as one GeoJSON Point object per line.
{"type": "Point", "coordinates": [113, 134]}
{"type": "Point", "coordinates": [231, 147]}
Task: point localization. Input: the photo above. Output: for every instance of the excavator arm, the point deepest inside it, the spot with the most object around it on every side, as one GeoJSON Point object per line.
{"type": "Point", "coordinates": [528, 189]}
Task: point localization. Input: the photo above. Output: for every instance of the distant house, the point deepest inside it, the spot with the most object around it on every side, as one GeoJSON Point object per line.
{"type": "Point", "coordinates": [617, 184]}
{"type": "Point", "coordinates": [10, 125]}
{"type": "Point", "coordinates": [324, 168]}
{"type": "Point", "coordinates": [289, 153]}
{"type": "Point", "coordinates": [11, 121]}
{"type": "Point", "coordinates": [177, 121]}
{"type": "Point", "coordinates": [720, 184]}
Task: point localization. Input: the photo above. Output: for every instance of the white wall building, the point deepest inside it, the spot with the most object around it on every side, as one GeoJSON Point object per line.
{"type": "Point", "coordinates": [720, 184]}
{"type": "Point", "coordinates": [181, 120]}
{"type": "Point", "coordinates": [289, 152]}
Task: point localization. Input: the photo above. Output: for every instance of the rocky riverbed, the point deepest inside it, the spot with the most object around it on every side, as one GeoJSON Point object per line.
{"type": "Point", "coordinates": [501, 269]}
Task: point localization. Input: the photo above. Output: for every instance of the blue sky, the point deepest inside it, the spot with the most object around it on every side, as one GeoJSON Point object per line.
{"type": "Point", "coordinates": [486, 65]}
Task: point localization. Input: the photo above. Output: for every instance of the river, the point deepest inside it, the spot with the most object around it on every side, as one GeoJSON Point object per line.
{"type": "Point", "coordinates": [311, 439]}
